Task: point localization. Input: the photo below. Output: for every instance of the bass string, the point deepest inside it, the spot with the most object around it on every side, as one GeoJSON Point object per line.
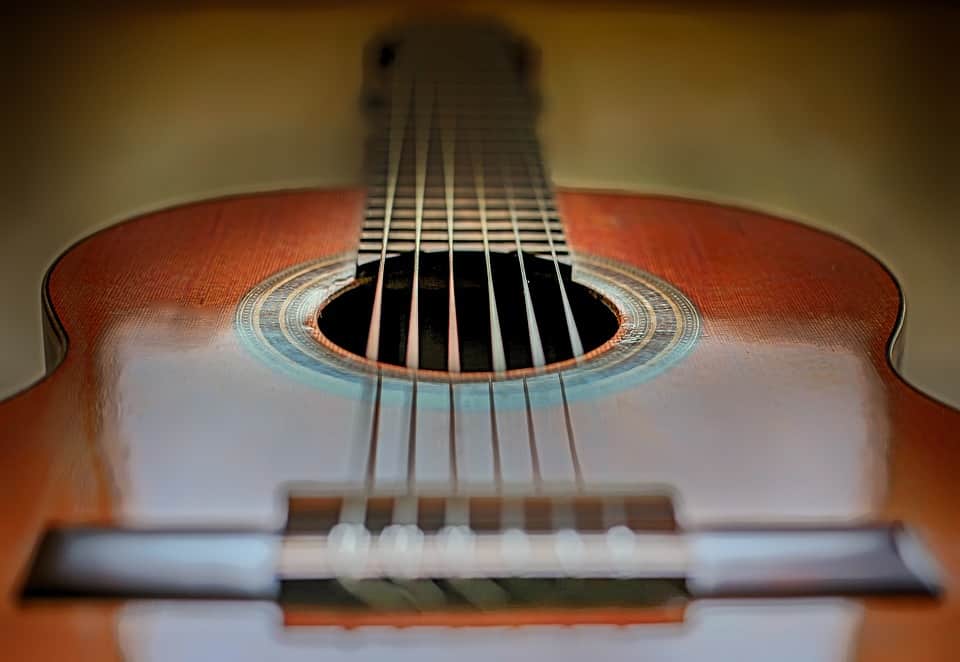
{"type": "Point", "coordinates": [399, 111]}
{"type": "Point", "coordinates": [497, 356]}
{"type": "Point", "coordinates": [536, 172]}
{"type": "Point", "coordinates": [535, 175]}
{"type": "Point", "coordinates": [533, 329]}
{"type": "Point", "coordinates": [396, 129]}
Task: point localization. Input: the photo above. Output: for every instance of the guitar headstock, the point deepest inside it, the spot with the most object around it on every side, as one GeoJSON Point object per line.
{"type": "Point", "coordinates": [450, 48]}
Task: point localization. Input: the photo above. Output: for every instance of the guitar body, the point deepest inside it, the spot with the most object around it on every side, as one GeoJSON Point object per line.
{"type": "Point", "coordinates": [155, 411]}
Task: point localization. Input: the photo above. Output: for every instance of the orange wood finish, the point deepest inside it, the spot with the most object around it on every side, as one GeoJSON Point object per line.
{"type": "Point", "coordinates": [781, 304]}
{"type": "Point", "coordinates": [492, 619]}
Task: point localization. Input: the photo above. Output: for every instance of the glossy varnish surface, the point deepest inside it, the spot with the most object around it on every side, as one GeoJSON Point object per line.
{"type": "Point", "coordinates": [787, 409]}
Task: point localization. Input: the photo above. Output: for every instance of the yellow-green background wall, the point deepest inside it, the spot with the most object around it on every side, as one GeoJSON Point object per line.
{"type": "Point", "coordinates": [844, 118]}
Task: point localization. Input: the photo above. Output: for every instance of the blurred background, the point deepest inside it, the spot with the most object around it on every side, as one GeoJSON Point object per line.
{"type": "Point", "coordinates": [842, 115]}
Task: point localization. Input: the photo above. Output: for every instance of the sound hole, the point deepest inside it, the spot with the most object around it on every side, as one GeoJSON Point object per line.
{"type": "Point", "coordinates": [345, 320]}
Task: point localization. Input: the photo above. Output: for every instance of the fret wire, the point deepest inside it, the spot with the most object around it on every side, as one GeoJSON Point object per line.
{"type": "Point", "coordinates": [435, 208]}
{"type": "Point", "coordinates": [433, 188]}
{"type": "Point", "coordinates": [434, 194]}
{"type": "Point", "coordinates": [396, 247]}
{"type": "Point", "coordinates": [497, 212]}
{"type": "Point", "coordinates": [470, 224]}
{"type": "Point", "coordinates": [463, 196]}
{"type": "Point", "coordinates": [429, 237]}
{"type": "Point", "coordinates": [373, 227]}
{"type": "Point", "coordinates": [436, 216]}
{"type": "Point", "coordinates": [540, 249]}
{"type": "Point", "coordinates": [430, 190]}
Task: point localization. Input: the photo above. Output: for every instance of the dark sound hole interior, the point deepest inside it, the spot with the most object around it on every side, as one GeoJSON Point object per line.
{"type": "Point", "coordinates": [345, 320]}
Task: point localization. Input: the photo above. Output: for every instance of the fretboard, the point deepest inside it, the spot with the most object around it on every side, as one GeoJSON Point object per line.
{"type": "Point", "coordinates": [453, 160]}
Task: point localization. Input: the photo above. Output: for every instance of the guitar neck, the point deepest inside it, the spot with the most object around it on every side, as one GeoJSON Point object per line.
{"type": "Point", "coordinates": [453, 158]}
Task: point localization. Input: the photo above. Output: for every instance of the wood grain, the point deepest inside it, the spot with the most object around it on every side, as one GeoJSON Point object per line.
{"type": "Point", "coordinates": [795, 324]}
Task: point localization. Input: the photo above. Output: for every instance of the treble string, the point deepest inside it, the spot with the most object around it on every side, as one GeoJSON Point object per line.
{"type": "Point", "coordinates": [533, 330]}
{"type": "Point", "coordinates": [498, 357]}
{"type": "Point", "coordinates": [371, 467]}
{"type": "Point", "coordinates": [576, 345]}
{"type": "Point", "coordinates": [499, 361]}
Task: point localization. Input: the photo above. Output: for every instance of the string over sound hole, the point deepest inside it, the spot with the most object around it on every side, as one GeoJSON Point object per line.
{"type": "Point", "coordinates": [345, 320]}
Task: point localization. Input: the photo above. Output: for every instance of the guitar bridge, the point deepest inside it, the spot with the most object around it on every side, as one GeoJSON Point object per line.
{"type": "Point", "coordinates": [358, 559]}
{"type": "Point", "coordinates": [538, 559]}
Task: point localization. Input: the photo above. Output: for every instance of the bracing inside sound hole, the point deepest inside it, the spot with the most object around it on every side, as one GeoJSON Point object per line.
{"type": "Point", "coordinates": [345, 320]}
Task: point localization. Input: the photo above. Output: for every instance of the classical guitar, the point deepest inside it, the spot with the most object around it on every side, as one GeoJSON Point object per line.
{"type": "Point", "coordinates": [456, 413]}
